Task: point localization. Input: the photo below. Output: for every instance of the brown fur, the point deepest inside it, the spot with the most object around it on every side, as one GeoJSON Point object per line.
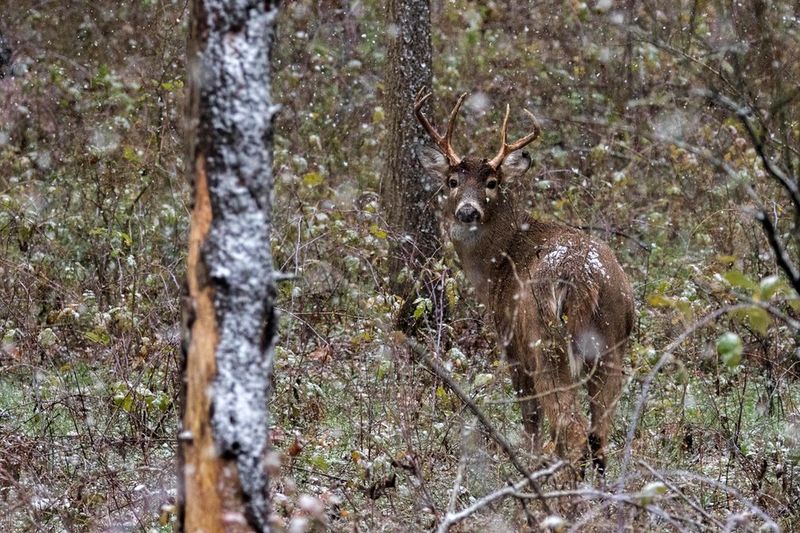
{"type": "Point", "coordinates": [561, 304]}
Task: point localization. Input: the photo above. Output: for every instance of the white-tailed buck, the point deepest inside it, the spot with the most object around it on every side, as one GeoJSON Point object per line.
{"type": "Point", "coordinates": [561, 304]}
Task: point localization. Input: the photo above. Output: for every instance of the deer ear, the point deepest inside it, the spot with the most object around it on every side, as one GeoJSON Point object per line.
{"type": "Point", "coordinates": [432, 160]}
{"type": "Point", "coordinates": [515, 165]}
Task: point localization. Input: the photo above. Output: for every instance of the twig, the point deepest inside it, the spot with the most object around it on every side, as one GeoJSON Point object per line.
{"type": "Point", "coordinates": [452, 519]}
{"type": "Point", "coordinates": [619, 233]}
{"type": "Point", "coordinates": [632, 500]}
{"type": "Point", "coordinates": [674, 488]}
{"type": "Point", "coordinates": [755, 509]}
{"type": "Point", "coordinates": [781, 257]}
{"type": "Point", "coordinates": [420, 353]}
{"type": "Point", "coordinates": [665, 358]}
{"type": "Point", "coordinates": [451, 505]}
{"type": "Point", "coordinates": [743, 113]}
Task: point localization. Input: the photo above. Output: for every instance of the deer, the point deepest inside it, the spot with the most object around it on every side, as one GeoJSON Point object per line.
{"type": "Point", "coordinates": [562, 305]}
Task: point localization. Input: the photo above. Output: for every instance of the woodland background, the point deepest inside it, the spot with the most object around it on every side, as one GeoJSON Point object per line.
{"type": "Point", "coordinates": [642, 145]}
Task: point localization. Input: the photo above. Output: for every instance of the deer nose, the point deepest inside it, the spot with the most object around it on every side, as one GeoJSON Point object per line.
{"type": "Point", "coordinates": [467, 214]}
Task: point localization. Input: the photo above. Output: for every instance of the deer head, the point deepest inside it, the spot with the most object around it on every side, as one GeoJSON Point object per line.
{"type": "Point", "coordinates": [474, 185]}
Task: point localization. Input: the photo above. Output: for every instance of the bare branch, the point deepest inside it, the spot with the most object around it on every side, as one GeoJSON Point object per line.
{"type": "Point", "coordinates": [744, 114]}
{"type": "Point", "coordinates": [452, 519]}
{"type": "Point", "coordinates": [674, 488]}
{"type": "Point", "coordinates": [665, 358]}
{"type": "Point", "coordinates": [781, 257]}
{"type": "Point", "coordinates": [420, 353]}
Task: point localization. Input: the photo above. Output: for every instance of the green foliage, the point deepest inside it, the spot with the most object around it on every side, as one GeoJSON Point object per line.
{"type": "Point", "coordinates": [730, 347]}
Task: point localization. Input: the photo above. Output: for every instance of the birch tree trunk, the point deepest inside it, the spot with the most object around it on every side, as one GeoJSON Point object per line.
{"type": "Point", "coordinates": [230, 321]}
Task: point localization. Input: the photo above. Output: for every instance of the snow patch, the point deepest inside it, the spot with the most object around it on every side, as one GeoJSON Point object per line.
{"type": "Point", "coordinates": [556, 255]}
{"type": "Point", "coordinates": [593, 264]}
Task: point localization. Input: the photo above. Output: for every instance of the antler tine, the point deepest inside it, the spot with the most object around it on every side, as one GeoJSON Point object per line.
{"type": "Point", "coordinates": [451, 122]}
{"type": "Point", "coordinates": [443, 142]}
{"type": "Point", "coordinates": [421, 97]}
{"type": "Point", "coordinates": [506, 149]}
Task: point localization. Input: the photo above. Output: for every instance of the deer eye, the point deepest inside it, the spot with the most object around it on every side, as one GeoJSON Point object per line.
{"type": "Point", "coordinates": [491, 184]}
{"type": "Point", "coordinates": [453, 183]}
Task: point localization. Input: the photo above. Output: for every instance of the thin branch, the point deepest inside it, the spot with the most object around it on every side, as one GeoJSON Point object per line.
{"type": "Point", "coordinates": [451, 505]}
{"type": "Point", "coordinates": [674, 488]}
{"type": "Point", "coordinates": [420, 353]}
{"type": "Point", "coordinates": [633, 500]}
{"type": "Point", "coordinates": [665, 358]}
{"type": "Point", "coordinates": [743, 113]}
{"type": "Point", "coordinates": [781, 257]}
{"type": "Point", "coordinates": [452, 519]}
{"type": "Point", "coordinates": [755, 509]}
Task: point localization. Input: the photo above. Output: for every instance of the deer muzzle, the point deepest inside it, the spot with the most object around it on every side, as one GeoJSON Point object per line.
{"type": "Point", "coordinates": [468, 213]}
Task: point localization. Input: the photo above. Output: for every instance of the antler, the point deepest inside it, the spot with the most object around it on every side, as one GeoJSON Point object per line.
{"type": "Point", "coordinates": [442, 142]}
{"type": "Point", "coordinates": [505, 148]}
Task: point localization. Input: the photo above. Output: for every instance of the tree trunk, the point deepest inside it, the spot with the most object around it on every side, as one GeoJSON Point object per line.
{"type": "Point", "coordinates": [230, 320]}
{"type": "Point", "coordinates": [407, 191]}
{"type": "Point", "coordinates": [5, 56]}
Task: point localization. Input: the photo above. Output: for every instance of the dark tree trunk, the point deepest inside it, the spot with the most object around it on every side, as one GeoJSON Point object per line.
{"type": "Point", "coordinates": [230, 320]}
{"type": "Point", "coordinates": [407, 192]}
{"type": "Point", "coordinates": [5, 56]}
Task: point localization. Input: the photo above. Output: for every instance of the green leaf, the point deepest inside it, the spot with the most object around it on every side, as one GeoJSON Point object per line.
{"type": "Point", "coordinates": [651, 491]}
{"type": "Point", "coordinates": [98, 337]}
{"type": "Point", "coordinates": [129, 154]}
{"type": "Point", "coordinates": [163, 401]}
{"type": "Point", "coordinates": [312, 179]}
{"type": "Point", "coordinates": [729, 346]}
{"type": "Point", "coordinates": [451, 292]}
{"type": "Point", "coordinates": [319, 462]}
{"type": "Point", "coordinates": [124, 401]}
{"type": "Point", "coordinates": [10, 336]}
{"type": "Point", "coordinates": [659, 300]}
{"type": "Point", "coordinates": [384, 367]}
{"type": "Point", "coordinates": [421, 306]}
{"type": "Point", "coordinates": [377, 232]}
{"type": "Point", "coordinates": [46, 338]}
{"type": "Point", "coordinates": [739, 280]}
{"type": "Point", "coordinates": [759, 319]}
{"type": "Point", "coordinates": [125, 238]}
{"type": "Point", "coordinates": [769, 286]}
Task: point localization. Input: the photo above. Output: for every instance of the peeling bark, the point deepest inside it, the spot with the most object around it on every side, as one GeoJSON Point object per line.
{"type": "Point", "coordinates": [230, 321]}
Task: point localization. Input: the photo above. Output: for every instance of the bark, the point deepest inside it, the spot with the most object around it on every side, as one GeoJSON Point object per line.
{"type": "Point", "coordinates": [407, 191]}
{"type": "Point", "coordinates": [230, 320]}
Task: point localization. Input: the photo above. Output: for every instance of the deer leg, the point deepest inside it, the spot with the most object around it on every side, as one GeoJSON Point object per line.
{"type": "Point", "coordinates": [522, 380]}
{"type": "Point", "coordinates": [558, 398]}
{"type": "Point", "coordinates": [604, 387]}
